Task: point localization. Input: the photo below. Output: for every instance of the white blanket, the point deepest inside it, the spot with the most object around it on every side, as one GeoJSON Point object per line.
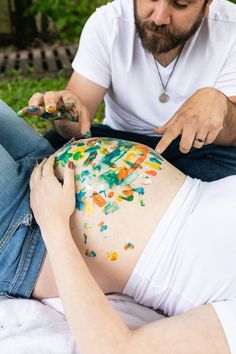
{"type": "Point", "coordinates": [34, 327]}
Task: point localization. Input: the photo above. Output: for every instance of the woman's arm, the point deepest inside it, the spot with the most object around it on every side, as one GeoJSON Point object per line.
{"type": "Point", "coordinates": [94, 323]}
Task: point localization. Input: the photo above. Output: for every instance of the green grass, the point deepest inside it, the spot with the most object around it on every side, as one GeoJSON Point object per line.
{"type": "Point", "coordinates": [17, 90]}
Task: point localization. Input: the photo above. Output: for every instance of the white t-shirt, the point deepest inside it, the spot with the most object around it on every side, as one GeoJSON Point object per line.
{"type": "Point", "coordinates": [111, 54]}
{"type": "Point", "coordinates": [190, 258]}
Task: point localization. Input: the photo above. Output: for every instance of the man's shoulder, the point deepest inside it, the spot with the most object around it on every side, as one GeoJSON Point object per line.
{"type": "Point", "coordinates": [222, 11]}
{"type": "Point", "coordinates": [116, 9]}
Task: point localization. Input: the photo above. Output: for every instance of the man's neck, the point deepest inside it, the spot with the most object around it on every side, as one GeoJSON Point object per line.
{"type": "Point", "coordinates": [166, 58]}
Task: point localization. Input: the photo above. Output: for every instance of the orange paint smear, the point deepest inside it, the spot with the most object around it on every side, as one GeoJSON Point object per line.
{"type": "Point", "coordinates": [151, 173]}
{"type": "Point", "coordinates": [122, 174]}
{"type": "Point", "coordinates": [128, 192]}
{"type": "Point", "coordinates": [125, 172]}
{"type": "Point", "coordinates": [98, 199]}
{"type": "Point", "coordinates": [110, 194]}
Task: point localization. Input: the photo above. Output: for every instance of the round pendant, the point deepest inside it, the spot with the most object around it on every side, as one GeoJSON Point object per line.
{"type": "Point", "coordinates": [163, 98]}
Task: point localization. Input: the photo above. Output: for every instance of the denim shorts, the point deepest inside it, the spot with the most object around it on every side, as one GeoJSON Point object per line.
{"type": "Point", "coordinates": [22, 249]}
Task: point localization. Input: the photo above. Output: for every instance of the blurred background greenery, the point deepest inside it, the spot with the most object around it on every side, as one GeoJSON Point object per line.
{"type": "Point", "coordinates": [27, 24]}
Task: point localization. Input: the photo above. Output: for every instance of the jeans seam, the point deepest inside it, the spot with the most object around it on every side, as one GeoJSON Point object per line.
{"type": "Point", "coordinates": [23, 269]}
{"type": "Point", "coordinates": [10, 232]}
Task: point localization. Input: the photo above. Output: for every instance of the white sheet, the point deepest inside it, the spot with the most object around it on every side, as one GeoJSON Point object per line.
{"type": "Point", "coordinates": [33, 327]}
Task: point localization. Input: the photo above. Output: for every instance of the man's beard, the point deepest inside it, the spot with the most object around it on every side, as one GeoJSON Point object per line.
{"type": "Point", "coordinates": [163, 39]}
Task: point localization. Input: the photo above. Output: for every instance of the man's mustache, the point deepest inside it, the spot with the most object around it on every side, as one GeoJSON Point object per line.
{"type": "Point", "coordinates": [157, 29]}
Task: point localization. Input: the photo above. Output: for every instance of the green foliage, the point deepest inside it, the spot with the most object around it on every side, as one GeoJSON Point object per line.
{"type": "Point", "coordinates": [68, 16]}
{"type": "Point", "coordinates": [17, 90]}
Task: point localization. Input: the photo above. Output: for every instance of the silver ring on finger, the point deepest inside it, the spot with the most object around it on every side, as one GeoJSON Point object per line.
{"type": "Point", "coordinates": [200, 140]}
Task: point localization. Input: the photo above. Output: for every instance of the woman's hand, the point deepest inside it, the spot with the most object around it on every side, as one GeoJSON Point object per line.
{"type": "Point", "coordinates": [50, 200]}
{"type": "Point", "coordinates": [60, 106]}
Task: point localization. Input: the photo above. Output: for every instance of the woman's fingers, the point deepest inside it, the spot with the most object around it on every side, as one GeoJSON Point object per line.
{"type": "Point", "coordinates": [69, 178]}
{"type": "Point", "coordinates": [48, 167]}
{"type": "Point", "coordinates": [36, 175]}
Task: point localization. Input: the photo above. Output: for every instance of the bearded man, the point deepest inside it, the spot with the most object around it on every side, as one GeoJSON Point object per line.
{"type": "Point", "coordinates": [167, 72]}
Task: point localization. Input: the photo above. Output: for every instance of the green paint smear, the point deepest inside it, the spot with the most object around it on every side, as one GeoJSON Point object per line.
{"type": "Point", "coordinates": [93, 149]}
{"type": "Point", "coordinates": [130, 198]}
{"type": "Point", "coordinates": [97, 167]}
{"type": "Point", "coordinates": [126, 143]}
{"type": "Point", "coordinates": [90, 158]}
{"type": "Point", "coordinates": [77, 156]}
{"type": "Point", "coordinates": [110, 177]}
{"type": "Point", "coordinates": [155, 160]}
{"type": "Point", "coordinates": [129, 163]}
{"type": "Point", "coordinates": [80, 144]}
{"type": "Point", "coordinates": [156, 155]}
{"type": "Point", "coordinates": [103, 192]}
{"type": "Point", "coordinates": [110, 207]}
{"type": "Point", "coordinates": [142, 202]}
{"type": "Point", "coordinates": [64, 158]}
{"type": "Point", "coordinates": [115, 155]}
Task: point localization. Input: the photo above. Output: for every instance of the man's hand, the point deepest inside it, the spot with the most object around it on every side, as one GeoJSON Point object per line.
{"type": "Point", "coordinates": [199, 121]}
{"type": "Point", "coordinates": [60, 105]}
{"type": "Point", "coordinates": [49, 199]}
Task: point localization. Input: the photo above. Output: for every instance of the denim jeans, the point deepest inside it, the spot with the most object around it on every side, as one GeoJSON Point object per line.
{"type": "Point", "coordinates": [22, 249]}
{"type": "Point", "coordinates": [209, 163]}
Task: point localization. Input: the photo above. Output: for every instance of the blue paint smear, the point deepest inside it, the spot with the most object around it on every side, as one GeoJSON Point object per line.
{"type": "Point", "coordinates": [115, 155]}
{"type": "Point", "coordinates": [97, 167]}
{"type": "Point", "coordinates": [139, 190]}
{"type": "Point", "coordinates": [83, 175]}
{"type": "Point", "coordinates": [93, 149]}
{"type": "Point", "coordinates": [103, 228]}
{"type": "Point", "coordinates": [79, 200]}
{"type": "Point", "coordinates": [155, 160]}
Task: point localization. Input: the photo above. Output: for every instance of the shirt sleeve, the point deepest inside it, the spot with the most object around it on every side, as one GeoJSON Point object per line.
{"type": "Point", "coordinates": [92, 58]}
{"type": "Point", "coordinates": [226, 81]}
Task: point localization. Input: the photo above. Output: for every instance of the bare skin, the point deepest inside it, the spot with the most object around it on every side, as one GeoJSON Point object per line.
{"type": "Point", "coordinates": [162, 189]}
{"type": "Point", "coordinates": [90, 315]}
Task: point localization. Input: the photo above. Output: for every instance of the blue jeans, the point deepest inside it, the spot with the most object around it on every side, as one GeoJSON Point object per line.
{"type": "Point", "coordinates": [209, 163]}
{"type": "Point", "coordinates": [22, 249]}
